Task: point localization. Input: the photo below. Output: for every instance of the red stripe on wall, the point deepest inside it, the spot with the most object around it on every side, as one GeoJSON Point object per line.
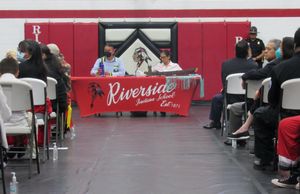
{"type": "Point", "coordinates": [149, 13]}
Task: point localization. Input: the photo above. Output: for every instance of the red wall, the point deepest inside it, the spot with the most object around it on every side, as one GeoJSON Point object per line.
{"type": "Point", "coordinates": [204, 45]}
{"type": "Point", "coordinates": [77, 41]}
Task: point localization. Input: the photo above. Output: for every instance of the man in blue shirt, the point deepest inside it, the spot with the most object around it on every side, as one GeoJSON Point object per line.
{"type": "Point", "coordinates": [113, 66]}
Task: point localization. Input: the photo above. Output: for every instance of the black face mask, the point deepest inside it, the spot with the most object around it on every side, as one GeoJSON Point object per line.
{"type": "Point", "coordinates": [107, 54]}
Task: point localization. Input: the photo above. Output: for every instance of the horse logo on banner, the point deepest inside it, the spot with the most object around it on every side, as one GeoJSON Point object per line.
{"type": "Point", "coordinates": [95, 90]}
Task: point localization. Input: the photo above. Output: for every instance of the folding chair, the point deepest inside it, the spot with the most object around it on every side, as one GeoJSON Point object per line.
{"type": "Point", "coordinates": [251, 87]}
{"type": "Point", "coordinates": [52, 95]}
{"type": "Point", "coordinates": [266, 85]}
{"type": "Point", "coordinates": [290, 95]}
{"type": "Point", "coordinates": [39, 99]}
{"type": "Point", "coordinates": [2, 163]}
{"type": "Point", "coordinates": [233, 86]}
{"type": "Point", "coordinates": [20, 98]}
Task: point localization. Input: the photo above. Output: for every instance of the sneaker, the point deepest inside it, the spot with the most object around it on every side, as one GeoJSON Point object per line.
{"type": "Point", "coordinates": [297, 186]}
{"type": "Point", "coordinates": [287, 182]}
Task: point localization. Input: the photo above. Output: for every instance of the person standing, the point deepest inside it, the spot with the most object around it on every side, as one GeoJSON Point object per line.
{"type": "Point", "coordinates": [257, 46]}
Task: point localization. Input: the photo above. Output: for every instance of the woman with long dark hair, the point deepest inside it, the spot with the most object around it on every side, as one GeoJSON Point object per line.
{"type": "Point", "coordinates": [32, 64]}
{"type": "Point", "coordinates": [55, 71]}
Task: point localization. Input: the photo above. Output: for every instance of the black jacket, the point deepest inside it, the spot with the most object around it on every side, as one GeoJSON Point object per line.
{"type": "Point", "coordinates": [258, 74]}
{"type": "Point", "coordinates": [27, 69]}
{"type": "Point", "coordinates": [236, 65]}
{"type": "Point", "coordinates": [289, 69]}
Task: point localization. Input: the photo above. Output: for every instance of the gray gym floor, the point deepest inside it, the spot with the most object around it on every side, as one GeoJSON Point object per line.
{"type": "Point", "coordinates": [151, 155]}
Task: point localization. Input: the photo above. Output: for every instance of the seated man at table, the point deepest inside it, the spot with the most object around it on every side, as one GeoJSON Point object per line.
{"type": "Point", "coordinates": [166, 64]}
{"type": "Point", "coordinates": [113, 66]}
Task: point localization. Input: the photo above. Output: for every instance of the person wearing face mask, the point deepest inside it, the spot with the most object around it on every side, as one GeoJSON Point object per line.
{"type": "Point", "coordinates": [113, 66]}
{"type": "Point", "coordinates": [32, 65]}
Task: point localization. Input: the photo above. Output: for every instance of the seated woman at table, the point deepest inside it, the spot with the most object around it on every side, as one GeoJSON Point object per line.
{"type": "Point", "coordinates": [166, 64]}
{"type": "Point", "coordinates": [113, 66]}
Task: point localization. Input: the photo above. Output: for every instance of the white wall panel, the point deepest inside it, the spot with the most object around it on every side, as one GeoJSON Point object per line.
{"type": "Point", "coordinates": [158, 34]}
{"type": "Point", "coordinates": [117, 34]}
{"type": "Point", "coordinates": [11, 33]}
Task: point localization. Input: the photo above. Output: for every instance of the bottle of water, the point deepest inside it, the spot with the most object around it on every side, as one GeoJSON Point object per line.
{"type": "Point", "coordinates": [101, 69]}
{"type": "Point", "coordinates": [13, 186]}
{"type": "Point", "coordinates": [55, 152]}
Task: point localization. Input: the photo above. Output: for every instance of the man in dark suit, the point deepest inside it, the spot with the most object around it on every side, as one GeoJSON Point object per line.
{"type": "Point", "coordinates": [239, 64]}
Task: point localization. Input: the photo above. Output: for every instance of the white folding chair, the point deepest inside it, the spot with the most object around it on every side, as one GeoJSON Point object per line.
{"type": "Point", "coordinates": [52, 95]}
{"type": "Point", "coordinates": [2, 163]}
{"type": "Point", "coordinates": [290, 94]}
{"type": "Point", "coordinates": [233, 86]}
{"type": "Point", "coordinates": [39, 99]}
{"type": "Point", "coordinates": [251, 87]}
{"type": "Point", "coordinates": [20, 98]}
{"type": "Point", "coordinates": [266, 85]}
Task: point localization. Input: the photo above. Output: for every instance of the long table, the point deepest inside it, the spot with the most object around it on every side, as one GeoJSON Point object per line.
{"type": "Point", "coordinates": [120, 94]}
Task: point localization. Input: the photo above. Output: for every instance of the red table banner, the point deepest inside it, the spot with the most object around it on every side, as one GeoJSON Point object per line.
{"type": "Point", "coordinates": [121, 94]}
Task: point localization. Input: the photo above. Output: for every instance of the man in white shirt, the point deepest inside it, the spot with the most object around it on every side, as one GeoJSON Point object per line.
{"type": "Point", "coordinates": [166, 63]}
{"type": "Point", "coordinates": [113, 66]}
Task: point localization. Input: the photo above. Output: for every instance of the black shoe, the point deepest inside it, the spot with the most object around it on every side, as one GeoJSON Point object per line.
{"type": "Point", "coordinates": [228, 142]}
{"type": "Point", "coordinates": [239, 135]}
{"type": "Point", "coordinates": [260, 165]}
{"type": "Point", "coordinates": [212, 125]}
{"type": "Point", "coordinates": [288, 182]}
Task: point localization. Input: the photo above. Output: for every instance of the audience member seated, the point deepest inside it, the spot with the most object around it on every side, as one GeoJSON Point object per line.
{"type": "Point", "coordinates": [32, 64]}
{"type": "Point", "coordinates": [239, 64]}
{"type": "Point", "coordinates": [11, 54]}
{"type": "Point", "coordinates": [288, 149]}
{"type": "Point", "coordinates": [265, 119]}
{"type": "Point", "coordinates": [66, 67]}
{"type": "Point", "coordinates": [55, 71]}
{"type": "Point", "coordinates": [237, 109]}
{"type": "Point", "coordinates": [113, 66]}
{"type": "Point", "coordinates": [9, 71]}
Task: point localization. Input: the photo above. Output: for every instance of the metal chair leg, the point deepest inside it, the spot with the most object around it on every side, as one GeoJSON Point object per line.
{"type": "Point", "coordinates": [36, 151]}
{"type": "Point", "coordinates": [2, 170]}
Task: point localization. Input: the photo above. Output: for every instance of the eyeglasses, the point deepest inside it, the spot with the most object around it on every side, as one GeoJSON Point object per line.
{"type": "Point", "coordinates": [269, 49]}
